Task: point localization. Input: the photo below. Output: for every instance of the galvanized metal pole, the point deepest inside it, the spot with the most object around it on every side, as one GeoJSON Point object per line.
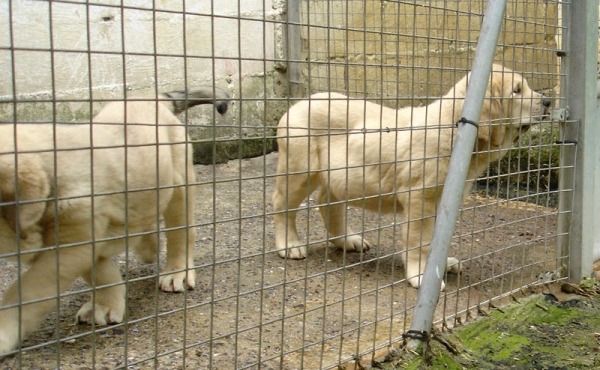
{"type": "Point", "coordinates": [580, 133]}
{"type": "Point", "coordinates": [457, 174]}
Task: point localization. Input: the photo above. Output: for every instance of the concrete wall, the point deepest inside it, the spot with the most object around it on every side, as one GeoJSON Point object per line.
{"type": "Point", "coordinates": [103, 51]}
{"type": "Point", "coordinates": [384, 49]}
{"type": "Point", "coordinates": [65, 54]}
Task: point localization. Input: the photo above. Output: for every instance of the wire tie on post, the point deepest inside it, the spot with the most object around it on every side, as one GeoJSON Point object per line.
{"type": "Point", "coordinates": [464, 120]}
{"type": "Point", "coordinates": [421, 335]}
{"type": "Point", "coordinates": [566, 142]}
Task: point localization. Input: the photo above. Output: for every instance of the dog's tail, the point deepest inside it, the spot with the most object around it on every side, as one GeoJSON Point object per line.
{"type": "Point", "coordinates": [179, 101]}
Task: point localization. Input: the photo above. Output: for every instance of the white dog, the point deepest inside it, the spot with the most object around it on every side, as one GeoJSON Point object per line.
{"type": "Point", "coordinates": [74, 195]}
{"type": "Point", "coordinates": [386, 160]}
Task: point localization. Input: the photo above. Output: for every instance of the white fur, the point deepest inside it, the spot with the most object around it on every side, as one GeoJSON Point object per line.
{"type": "Point", "coordinates": [386, 160]}
{"type": "Point", "coordinates": [137, 173]}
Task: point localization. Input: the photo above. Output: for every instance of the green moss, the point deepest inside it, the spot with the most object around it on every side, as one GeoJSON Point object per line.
{"type": "Point", "coordinates": [534, 334]}
{"type": "Point", "coordinates": [45, 110]}
{"type": "Point", "coordinates": [498, 345]}
{"type": "Point", "coordinates": [212, 152]}
{"type": "Point", "coordinates": [441, 360]}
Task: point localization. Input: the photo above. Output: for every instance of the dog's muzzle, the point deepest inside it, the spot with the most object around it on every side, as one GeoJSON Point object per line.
{"type": "Point", "coordinates": [546, 103]}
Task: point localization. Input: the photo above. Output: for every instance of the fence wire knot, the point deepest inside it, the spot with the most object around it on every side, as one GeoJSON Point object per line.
{"type": "Point", "coordinates": [464, 120]}
{"type": "Point", "coordinates": [421, 335]}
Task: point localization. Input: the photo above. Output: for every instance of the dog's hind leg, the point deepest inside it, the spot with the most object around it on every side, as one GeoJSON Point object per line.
{"type": "Point", "coordinates": [148, 247]}
{"type": "Point", "coordinates": [290, 191]}
{"type": "Point", "coordinates": [35, 294]}
{"type": "Point", "coordinates": [179, 218]}
{"type": "Point", "coordinates": [334, 216]}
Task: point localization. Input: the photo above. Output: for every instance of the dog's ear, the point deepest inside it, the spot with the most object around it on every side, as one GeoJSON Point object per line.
{"type": "Point", "coordinates": [492, 105]}
{"type": "Point", "coordinates": [490, 136]}
{"type": "Point", "coordinates": [23, 183]}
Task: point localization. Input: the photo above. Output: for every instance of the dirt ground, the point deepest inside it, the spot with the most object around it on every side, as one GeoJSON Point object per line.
{"type": "Point", "coordinates": [253, 310]}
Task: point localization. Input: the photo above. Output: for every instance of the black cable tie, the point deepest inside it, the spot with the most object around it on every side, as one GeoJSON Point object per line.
{"type": "Point", "coordinates": [565, 142]}
{"type": "Point", "coordinates": [421, 335]}
{"type": "Point", "coordinates": [464, 120]}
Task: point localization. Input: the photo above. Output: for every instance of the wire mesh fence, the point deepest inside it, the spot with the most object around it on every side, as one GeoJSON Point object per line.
{"type": "Point", "coordinates": [250, 308]}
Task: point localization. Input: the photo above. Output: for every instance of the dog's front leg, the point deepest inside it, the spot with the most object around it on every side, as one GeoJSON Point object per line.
{"type": "Point", "coordinates": [334, 216]}
{"type": "Point", "coordinates": [418, 234]}
{"type": "Point", "coordinates": [108, 304]}
{"type": "Point", "coordinates": [35, 295]}
{"type": "Point", "coordinates": [418, 231]}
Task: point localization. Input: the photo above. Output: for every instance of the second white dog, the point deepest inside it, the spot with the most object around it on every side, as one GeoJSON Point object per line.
{"type": "Point", "coordinates": [386, 160]}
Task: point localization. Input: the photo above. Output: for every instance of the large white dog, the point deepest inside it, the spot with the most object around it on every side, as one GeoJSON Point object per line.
{"type": "Point", "coordinates": [74, 195]}
{"type": "Point", "coordinates": [387, 160]}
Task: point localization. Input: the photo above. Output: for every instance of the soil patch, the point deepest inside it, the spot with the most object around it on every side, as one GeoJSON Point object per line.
{"type": "Point", "coordinates": [252, 309]}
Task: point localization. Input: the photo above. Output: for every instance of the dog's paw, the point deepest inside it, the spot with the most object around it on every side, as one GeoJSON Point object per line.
{"type": "Point", "coordinates": [453, 265]}
{"type": "Point", "coordinates": [8, 342]}
{"type": "Point", "coordinates": [6, 346]}
{"type": "Point", "coordinates": [294, 253]}
{"type": "Point", "coordinates": [100, 314]}
{"type": "Point", "coordinates": [416, 281]}
{"type": "Point", "coordinates": [178, 282]}
{"type": "Point", "coordinates": [352, 243]}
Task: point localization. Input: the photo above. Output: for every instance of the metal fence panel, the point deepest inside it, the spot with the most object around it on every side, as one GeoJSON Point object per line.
{"type": "Point", "coordinates": [249, 309]}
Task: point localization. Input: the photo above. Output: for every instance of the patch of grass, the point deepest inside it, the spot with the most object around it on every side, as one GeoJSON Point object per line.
{"type": "Point", "coordinates": [537, 333]}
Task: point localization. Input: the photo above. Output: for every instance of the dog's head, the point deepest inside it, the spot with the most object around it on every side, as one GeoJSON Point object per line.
{"type": "Point", "coordinates": [509, 109]}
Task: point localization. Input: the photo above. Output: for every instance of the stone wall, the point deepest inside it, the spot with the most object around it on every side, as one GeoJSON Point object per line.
{"type": "Point", "coordinates": [385, 49]}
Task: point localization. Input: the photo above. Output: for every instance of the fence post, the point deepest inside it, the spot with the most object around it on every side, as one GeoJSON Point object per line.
{"type": "Point", "coordinates": [579, 135]}
{"type": "Point", "coordinates": [294, 49]}
{"type": "Point", "coordinates": [457, 174]}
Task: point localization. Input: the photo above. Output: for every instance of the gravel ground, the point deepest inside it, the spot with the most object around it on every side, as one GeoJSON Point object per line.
{"type": "Point", "coordinates": [252, 309]}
